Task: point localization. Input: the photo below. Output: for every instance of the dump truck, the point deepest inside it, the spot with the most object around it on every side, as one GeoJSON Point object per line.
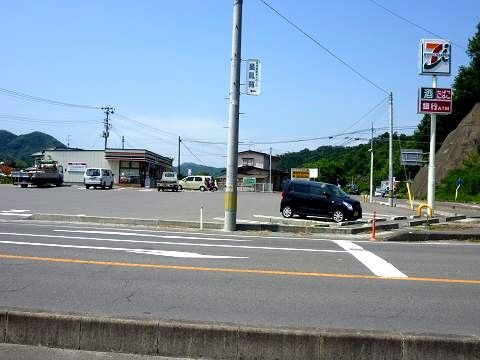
{"type": "Point", "coordinates": [41, 174]}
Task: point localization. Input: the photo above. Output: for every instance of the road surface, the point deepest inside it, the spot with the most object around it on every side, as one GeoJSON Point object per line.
{"type": "Point", "coordinates": [246, 279]}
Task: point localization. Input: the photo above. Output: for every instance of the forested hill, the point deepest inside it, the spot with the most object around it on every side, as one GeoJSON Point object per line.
{"type": "Point", "coordinates": [18, 148]}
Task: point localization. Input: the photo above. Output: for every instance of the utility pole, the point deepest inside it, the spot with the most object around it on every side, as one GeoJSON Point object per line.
{"type": "Point", "coordinates": [270, 176]}
{"type": "Point", "coordinates": [123, 142]}
{"type": "Point", "coordinates": [431, 158]}
{"type": "Point", "coordinates": [68, 141]}
{"type": "Point", "coordinates": [178, 168]}
{"type": "Point", "coordinates": [371, 167]}
{"type": "Point", "coordinates": [234, 107]}
{"type": "Point", "coordinates": [390, 152]}
{"type": "Point", "coordinates": [106, 133]}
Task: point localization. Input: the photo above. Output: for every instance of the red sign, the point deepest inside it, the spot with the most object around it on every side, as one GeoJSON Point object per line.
{"type": "Point", "coordinates": [434, 101]}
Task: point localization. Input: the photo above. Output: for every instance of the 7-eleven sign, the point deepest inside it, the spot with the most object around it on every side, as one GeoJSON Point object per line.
{"type": "Point", "coordinates": [435, 57]}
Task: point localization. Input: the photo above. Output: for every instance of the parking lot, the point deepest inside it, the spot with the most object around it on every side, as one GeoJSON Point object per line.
{"type": "Point", "coordinates": [151, 204]}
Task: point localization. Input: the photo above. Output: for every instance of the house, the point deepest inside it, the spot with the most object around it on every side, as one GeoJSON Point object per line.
{"type": "Point", "coordinates": [254, 172]}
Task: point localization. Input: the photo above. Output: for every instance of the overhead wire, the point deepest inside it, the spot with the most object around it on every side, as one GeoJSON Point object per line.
{"type": "Point", "coordinates": [24, 96]}
{"type": "Point", "coordinates": [413, 23]}
{"type": "Point", "coordinates": [21, 118]}
{"type": "Point", "coordinates": [191, 152]}
{"type": "Point", "coordinates": [330, 52]}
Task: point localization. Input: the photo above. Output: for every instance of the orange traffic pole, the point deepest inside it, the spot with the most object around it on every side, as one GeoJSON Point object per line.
{"type": "Point", "coordinates": [373, 227]}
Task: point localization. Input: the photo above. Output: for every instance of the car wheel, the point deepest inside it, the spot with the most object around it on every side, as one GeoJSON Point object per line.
{"type": "Point", "coordinates": [180, 187]}
{"type": "Point", "coordinates": [202, 188]}
{"type": "Point", "coordinates": [23, 185]}
{"type": "Point", "coordinates": [163, 189]}
{"type": "Point", "coordinates": [103, 186]}
{"type": "Point", "coordinates": [111, 185]}
{"type": "Point", "coordinates": [87, 186]}
{"type": "Point", "coordinates": [158, 188]}
{"type": "Point", "coordinates": [95, 186]}
{"type": "Point", "coordinates": [175, 188]}
{"type": "Point", "coordinates": [338, 216]}
{"type": "Point", "coordinates": [287, 212]}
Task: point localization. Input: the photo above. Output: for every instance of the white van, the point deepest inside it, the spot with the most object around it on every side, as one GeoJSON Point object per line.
{"type": "Point", "coordinates": [196, 182]}
{"type": "Point", "coordinates": [98, 177]}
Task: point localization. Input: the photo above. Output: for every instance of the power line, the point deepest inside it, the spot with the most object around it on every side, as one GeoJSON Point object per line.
{"type": "Point", "coordinates": [145, 126]}
{"type": "Point", "coordinates": [21, 118]}
{"type": "Point", "coordinates": [190, 151]}
{"type": "Point", "coordinates": [298, 28]}
{"type": "Point", "coordinates": [23, 96]}
{"type": "Point", "coordinates": [412, 23]}
{"type": "Point", "coordinates": [367, 113]}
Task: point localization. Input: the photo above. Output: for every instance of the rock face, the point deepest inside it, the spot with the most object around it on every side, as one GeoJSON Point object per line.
{"type": "Point", "coordinates": [456, 147]}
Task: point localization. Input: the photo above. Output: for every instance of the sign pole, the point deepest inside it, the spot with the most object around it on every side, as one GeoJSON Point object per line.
{"type": "Point", "coordinates": [431, 161]}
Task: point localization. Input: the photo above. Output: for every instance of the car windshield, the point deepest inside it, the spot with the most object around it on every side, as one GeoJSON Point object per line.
{"type": "Point", "coordinates": [93, 172]}
{"type": "Point", "coordinates": [336, 191]}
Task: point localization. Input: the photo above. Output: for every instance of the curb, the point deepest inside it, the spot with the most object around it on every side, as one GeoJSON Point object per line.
{"type": "Point", "coordinates": [209, 225]}
{"type": "Point", "coordinates": [412, 236]}
{"type": "Point", "coordinates": [225, 341]}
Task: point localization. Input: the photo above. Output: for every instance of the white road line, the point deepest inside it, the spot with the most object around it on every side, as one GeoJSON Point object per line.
{"type": "Point", "coordinates": [175, 243]}
{"type": "Point", "coordinates": [3, 213]}
{"type": "Point", "coordinates": [176, 254]}
{"type": "Point", "coordinates": [263, 237]}
{"type": "Point", "coordinates": [374, 263]}
{"type": "Point", "coordinates": [147, 235]}
{"type": "Point", "coordinates": [239, 220]}
{"type": "Point", "coordinates": [17, 211]}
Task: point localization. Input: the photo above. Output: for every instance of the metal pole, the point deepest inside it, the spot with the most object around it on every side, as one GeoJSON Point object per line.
{"type": "Point", "coordinates": [431, 160]}
{"type": "Point", "coordinates": [123, 142]}
{"type": "Point", "coordinates": [178, 168]}
{"type": "Point", "coordinates": [390, 153]}
{"type": "Point", "coordinates": [270, 168]}
{"type": "Point", "coordinates": [371, 167]}
{"type": "Point", "coordinates": [232, 150]}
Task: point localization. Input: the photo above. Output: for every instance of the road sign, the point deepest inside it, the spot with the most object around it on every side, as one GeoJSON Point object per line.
{"type": "Point", "coordinates": [297, 173]}
{"type": "Point", "coordinates": [435, 57]}
{"type": "Point", "coordinates": [249, 181]}
{"type": "Point", "coordinates": [434, 100]}
{"type": "Point", "coordinates": [254, 70]}
{"type": "Point", "coordinates": [411, 157]}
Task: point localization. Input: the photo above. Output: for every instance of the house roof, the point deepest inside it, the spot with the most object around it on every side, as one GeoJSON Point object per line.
{"type": "Point", "coordinates": [256, 152]}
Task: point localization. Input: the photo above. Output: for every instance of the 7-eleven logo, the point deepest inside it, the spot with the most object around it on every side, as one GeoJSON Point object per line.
{"type": "Point", "coordinates": [437, 52]}
{"type": "Point", "coordinates": [435, 56]}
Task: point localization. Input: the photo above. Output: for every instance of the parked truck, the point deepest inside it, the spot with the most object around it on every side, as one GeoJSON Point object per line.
{"type": "Point", "coordinates": [168, 181]}
{"type": "Point", "coordinates": [43, 173]}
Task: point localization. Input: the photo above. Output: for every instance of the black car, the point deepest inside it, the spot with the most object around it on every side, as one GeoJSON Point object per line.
{"type": "Point", "coordinates": [300, 197]}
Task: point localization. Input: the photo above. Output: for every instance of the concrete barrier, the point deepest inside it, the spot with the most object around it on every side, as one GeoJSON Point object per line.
{"type": "Point", "coordinates": [225, 341]}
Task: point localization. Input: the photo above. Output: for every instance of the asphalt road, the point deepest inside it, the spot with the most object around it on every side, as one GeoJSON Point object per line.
{"type": "Point", "coordinates": [277, 280]}
{"type": "Point", "coordinates": [151, 204]}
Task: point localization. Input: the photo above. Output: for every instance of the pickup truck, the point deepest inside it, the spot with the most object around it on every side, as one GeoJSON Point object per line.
{"type": "Point", "coordinates": [43, 173]}
{"type": "Point", "coordinates": [169, 180]}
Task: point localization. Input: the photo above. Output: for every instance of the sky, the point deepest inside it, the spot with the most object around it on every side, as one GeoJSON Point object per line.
{"type": "Point", "coordinates": [165, 68]}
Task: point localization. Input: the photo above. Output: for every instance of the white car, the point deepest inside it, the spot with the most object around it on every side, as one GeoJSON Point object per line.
{"type": "Point", "coordinates": [98, 177]}
{"type": "Point", "coordinates": [196, 182]}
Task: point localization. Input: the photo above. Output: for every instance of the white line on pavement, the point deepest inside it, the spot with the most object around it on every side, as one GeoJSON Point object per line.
{"type": "Point", "coordinates": [374, 263]}
{"type": "Point", "coordinates": [147, 235]}
{"type": "Point", "coordinates": [175, 243]}
{"type": "Point", "coordinates": [176, 254]}
{"type": "Point", "coordinates": [239, 220]}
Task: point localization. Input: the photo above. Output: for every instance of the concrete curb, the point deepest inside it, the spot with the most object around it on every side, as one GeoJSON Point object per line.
{"type": "Point", "coordinates": [209, 225]}
{"type": "Point", "coordinates": [435, 235]}
{"type": "Point", "coordinates": [225, 341]}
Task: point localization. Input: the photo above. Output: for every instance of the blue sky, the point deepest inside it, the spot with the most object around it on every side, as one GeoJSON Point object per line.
{"type": "Point", "coordinates": [167, 64]}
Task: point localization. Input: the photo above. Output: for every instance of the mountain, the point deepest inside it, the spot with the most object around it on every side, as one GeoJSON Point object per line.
{"type": "Point", "coordinates": [199, 169]}
{"type": "Point", "coordinates": [19, 148]}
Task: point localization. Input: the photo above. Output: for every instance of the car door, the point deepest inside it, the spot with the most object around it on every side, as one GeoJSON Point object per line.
{"type": "Point", "coordinates": [300, 197]}
{"type": "Point", "coordinates": [189, 184]}
{"type": "Point", "coordinates": [320, 201]}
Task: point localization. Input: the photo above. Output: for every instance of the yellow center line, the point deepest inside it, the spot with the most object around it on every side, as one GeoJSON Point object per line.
{"type": "Point", "coordinates": [228, 270]}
